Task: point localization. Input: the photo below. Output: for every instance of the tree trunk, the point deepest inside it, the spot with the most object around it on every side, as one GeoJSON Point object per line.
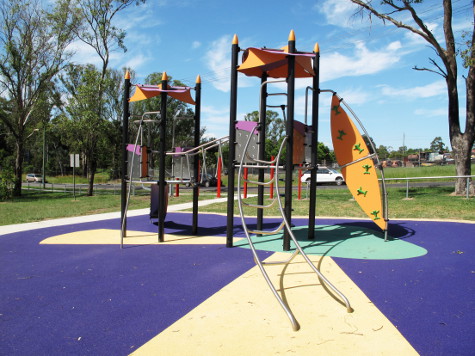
{"type": "Point", "coordinates": [18, 168]}
{"type": "Point", "coordinates": [462, 156]}
{"type": "Point", "coordinates": [462, 143]}
{"type": "Point", "coordinates": [92, 173]}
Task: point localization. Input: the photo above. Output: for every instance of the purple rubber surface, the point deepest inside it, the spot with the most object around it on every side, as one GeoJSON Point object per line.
{"type": "Point", "coordinates": [98, 299]}
{"type": "Point", "coordinates": [430, 299]}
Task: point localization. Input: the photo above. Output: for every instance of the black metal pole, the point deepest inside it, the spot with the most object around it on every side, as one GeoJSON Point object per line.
{"type": "Point", "coordinates": [125, 140]}
{"type": "Point", "coordinates": [196, 157]}
{"type": "Point", "coordinates": [289, 128]}
{"type": "Point", "coordinates": [314, 144]}
{"type": "Point", "coordinates": [262, 149]}
{"type": "Point", "coordinates": [161, 169]}
{"type": "Point", "coordinates": [232, 142]}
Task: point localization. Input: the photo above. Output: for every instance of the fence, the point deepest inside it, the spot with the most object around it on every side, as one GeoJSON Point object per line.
{"type": "Point", "coordinates": [468, 178]}
{"type": "Point", "coordinates": [79, 188]}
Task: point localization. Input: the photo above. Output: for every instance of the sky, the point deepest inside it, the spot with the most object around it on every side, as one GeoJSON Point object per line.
{"type": "Point", "coordinates": [369, 64]}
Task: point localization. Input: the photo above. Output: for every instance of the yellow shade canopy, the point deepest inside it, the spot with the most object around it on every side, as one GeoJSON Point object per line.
{"type": "Point", "coordinates": [143, 92]}
{"type": "Point", "coordinates": [274, 62]}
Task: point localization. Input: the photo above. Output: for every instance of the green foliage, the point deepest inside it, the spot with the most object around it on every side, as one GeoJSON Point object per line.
{"type": "Point", "coordinates": [468, 53]}
{"type": "Point", "coordinates": [324, 154]}
{"type": "Point", "coordinates": [34, 40]}
{"type": "Point", "coordinates": [437, 145]}
{"type": "Point", "coordinates": [6, 183]}
{"type": "Point", "coordinates": [383, 152]}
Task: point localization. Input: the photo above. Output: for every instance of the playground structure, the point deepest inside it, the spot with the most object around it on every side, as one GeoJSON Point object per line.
{"type": "Point", "coordinates": [300, 142]}
{"type": "Point", "coordinates": [185, 161]}
{"type": "Point", "coordinates": [247, 150]}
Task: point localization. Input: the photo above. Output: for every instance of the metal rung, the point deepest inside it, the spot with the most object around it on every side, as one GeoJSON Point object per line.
{"type": "Point", "coordinates": [260, 167]}
{"type": "Point", "coordinates": [258, 206]}
{"type": "Point", "coordinates": [262, 232]}
{"type": "Point", "coordinates": [260, 183]}
{"type": "Point", "coordinates": [359, 160]}
{"type": "Point", "coordinates": [260, 161]}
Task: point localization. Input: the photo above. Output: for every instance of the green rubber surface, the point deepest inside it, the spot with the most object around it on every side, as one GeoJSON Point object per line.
{"type": "Point", "coordinates": [342, 241]}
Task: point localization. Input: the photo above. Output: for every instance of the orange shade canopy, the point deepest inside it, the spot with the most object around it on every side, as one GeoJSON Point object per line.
{"type": "Point", "coordinates": [274, 62]}
{"type": "Point", "coordinates": [143, 92]}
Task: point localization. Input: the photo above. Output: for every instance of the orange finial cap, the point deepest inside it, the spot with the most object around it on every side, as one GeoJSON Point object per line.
{"type": "Point", "coordinates": [198, 79]}
{"type": "Point", "coordinates": [235, 40]}
{"type": "Point", "coordinates": [292, 35]}
{"type": "Point", "coordinates": [127, 75]}
{"type": "Point", "coordinates": [316, 48]}
{"type": "Point", "coordinates": [164, 76]}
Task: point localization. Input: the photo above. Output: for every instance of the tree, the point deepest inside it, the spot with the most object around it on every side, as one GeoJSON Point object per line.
{"type": "Point", "coordinates": [324, 154]}
{"type": "Point", "coordinates": [437, 145]}
{"type": "Point", "coordinates": [85, 131]}
{"type": "Point", "coordinates": [34, 42]}
{"type": "Point", "coordinates": [446, 66]}
{"type": "Point", "coordinates": [383, 152]}
{"type": "Point", "coordinates": [99, 32]}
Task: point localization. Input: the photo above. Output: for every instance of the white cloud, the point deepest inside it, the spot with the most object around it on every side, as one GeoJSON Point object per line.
{"type": "Point", "coordinates": [356, 96]}
{"type": "Point", "coordinates": [216, 120]}
{"type": "Point", "coordinates": [218, 60]}
{"type": "Point", "coordinates": [362, 62]}
{"type": "Point", "coordinates": [137, 61]}
{"type": "Point", "coordinates": [196, 44]}
{"type": "Point", "coordinates": [426, 91]}
{"type": "Point", "coordinates": [337, 12]}
{"type": "Point", "coordinates": [83, 53]}
{"type": "Point", "coordinates": [431, 112]}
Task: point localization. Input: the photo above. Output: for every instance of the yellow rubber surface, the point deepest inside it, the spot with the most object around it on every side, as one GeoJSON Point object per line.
{"type": "Point", "coordinates": [112, 237]}
{"type": "Point", "coordinates": [244, 318]}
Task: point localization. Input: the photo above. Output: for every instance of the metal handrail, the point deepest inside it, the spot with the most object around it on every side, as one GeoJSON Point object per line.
{"type": "Point", "coordinates": [437, 177]}
{"type": "Point", "coordinates": [407, 179]}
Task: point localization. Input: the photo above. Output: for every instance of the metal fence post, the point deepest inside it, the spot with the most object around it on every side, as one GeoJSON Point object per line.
{"type": "Point", "coordinates": [468, 187]}
{"type": "Point", "coordinates": [407, 189]}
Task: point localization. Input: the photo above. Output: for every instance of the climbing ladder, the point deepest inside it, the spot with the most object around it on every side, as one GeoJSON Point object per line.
{"type": "Point", "coordinates": [267, 165]}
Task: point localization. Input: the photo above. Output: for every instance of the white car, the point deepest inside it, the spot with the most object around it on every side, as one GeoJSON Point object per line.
{"type": "Point", "coordinates": [324, 175]}
{"type": "Point", "coordinates": [32, 177]}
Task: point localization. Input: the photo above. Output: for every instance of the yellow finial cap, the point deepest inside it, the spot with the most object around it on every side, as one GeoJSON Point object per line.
{"type": "Point", "coordinates": [292, 35]}
{"type": "Point", "coordinates": [164, 76]}
{"type": "Point", "coordinates": [235, 40]}
{"type": "Point", "coordinates": [127, 75]}
{"type": "Point", "coordinates": [316, 48]}
{"type": "Point", "coordinates": [198, 79]}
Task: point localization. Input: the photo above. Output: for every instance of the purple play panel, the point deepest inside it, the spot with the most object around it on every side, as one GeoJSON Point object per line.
{"type": "Point", "coordinates": [98, 299]}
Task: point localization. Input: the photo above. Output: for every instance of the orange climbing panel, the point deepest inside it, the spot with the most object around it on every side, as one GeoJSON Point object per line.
{"type": "Point", "coordinates": [357, 166]}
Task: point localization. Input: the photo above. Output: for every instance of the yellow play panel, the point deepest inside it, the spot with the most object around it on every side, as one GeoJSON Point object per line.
{"type": "Point", "coordinates": [112, 237]}
{"type": "Point", "coordinates": [244, 318]}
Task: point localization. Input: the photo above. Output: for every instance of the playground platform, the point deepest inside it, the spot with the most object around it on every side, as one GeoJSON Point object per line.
{"type": "Point", "coordinates": [67, 288]}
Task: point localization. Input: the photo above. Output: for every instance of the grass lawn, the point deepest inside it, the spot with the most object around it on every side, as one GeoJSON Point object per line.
{"type": "Point", "coordinates": [43, 205]}
{"type": "Point", "coordinates": [424, 203]}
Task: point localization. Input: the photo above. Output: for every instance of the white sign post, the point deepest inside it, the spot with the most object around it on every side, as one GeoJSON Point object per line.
{"type": "Point", "coordinates": [74, 163]}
